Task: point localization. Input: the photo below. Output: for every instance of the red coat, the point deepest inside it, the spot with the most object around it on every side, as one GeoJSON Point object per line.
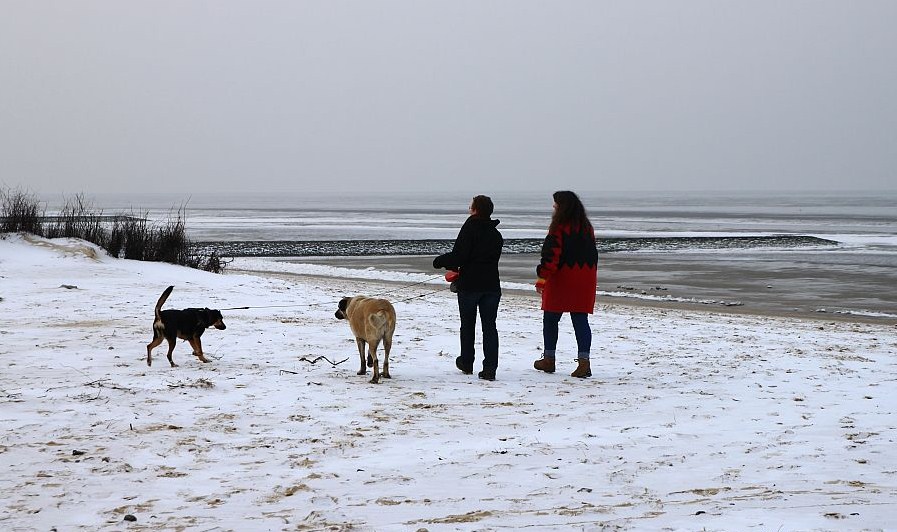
{"type": "Point", "coordinates": [569, 268]}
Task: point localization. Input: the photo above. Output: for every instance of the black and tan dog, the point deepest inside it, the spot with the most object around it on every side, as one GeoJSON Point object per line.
{"type": "Point", "coordinates": [187, 324]}
{"type": "Point", "coordinates": [371, 321]}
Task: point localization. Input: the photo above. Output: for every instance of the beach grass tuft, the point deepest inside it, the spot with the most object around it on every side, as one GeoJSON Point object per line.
{"type": "Point", "coordinates": [130, 236]}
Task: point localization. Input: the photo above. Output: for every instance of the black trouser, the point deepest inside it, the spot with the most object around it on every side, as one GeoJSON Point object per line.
{"type": "Point", "coordinates": [487, 303]}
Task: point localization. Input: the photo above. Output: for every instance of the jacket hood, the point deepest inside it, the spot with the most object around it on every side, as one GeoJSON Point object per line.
{"type": "Point", "coordinates": [490, 221]}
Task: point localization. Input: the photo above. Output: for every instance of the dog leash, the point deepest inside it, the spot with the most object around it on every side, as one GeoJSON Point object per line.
{"type": "Point", "coordinates": [273, 306]}
{"type": "Point", "coordinates": [330, 303]}
{"type": "Point", "coordinates": [423, 295]}
{"type": "Point", "coordinates": [408, 286]}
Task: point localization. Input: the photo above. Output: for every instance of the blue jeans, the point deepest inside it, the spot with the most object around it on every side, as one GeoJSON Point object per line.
{"type": "Point", "coordinates": [580, 327]}
{"type": "Point", "coordinates": [487, 303]}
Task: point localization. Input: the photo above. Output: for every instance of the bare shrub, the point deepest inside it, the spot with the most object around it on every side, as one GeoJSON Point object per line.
{"type": "Point", "coordinates": [170, 242]}
{"type": "Point", "coordinates": [77, 219]}
{"type": "Point", "coordinates": [20, 211]}
{"type": "Point", "coordinates": [134, 233]}
{"type": "Point", "coordinates": [129, 237]}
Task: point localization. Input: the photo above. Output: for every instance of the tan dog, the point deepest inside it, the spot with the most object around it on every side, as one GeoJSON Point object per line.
{"type": "Point", "coordinates": [371, 321]}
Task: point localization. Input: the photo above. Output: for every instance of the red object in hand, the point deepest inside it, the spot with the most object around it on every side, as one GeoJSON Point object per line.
{"type": "Point", "coordinates": [451, 276]}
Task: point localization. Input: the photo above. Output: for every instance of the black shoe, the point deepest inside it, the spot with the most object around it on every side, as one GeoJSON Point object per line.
{"type": "Point", "coordinates": [465, 367]}
{"type": "Point", "coordinates": [487, 374]}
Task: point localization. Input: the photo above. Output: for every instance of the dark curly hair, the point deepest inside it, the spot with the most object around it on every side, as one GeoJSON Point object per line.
{"type": "Point", "coordinates": [570, 211]}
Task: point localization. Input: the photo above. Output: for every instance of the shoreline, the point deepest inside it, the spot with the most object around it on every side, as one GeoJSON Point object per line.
{"type": "Point", "coordinates": [605, 300]}
{"type": "Point", "coordinates": [795, 284]}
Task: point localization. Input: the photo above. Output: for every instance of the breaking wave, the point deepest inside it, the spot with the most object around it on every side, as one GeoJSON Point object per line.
{"type": "Point", "coordinates": [342, 248]}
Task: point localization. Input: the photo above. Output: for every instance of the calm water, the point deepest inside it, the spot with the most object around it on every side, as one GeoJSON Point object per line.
{"type": "Point", "coordinates": [800, 252]}
{"type": "Point", "coordinates": [863, 219]}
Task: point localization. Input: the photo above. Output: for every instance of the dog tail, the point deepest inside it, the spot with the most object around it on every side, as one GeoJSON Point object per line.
{"type": "Point", "coordinates": [162, 299]}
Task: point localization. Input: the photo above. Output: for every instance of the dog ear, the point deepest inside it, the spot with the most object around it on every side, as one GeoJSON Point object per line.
{"type": "Point", "coordinates": [343, 304]}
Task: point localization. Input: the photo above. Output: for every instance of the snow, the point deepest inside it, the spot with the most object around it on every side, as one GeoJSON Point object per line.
{"type": "Point", "coordinates": [692, 420]}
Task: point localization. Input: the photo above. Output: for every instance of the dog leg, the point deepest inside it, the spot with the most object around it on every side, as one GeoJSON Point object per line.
{"type": "Point", "coordinates": [372, 352]}
{"type": "Point", "coordinates": [360, 343]}
{"type": "Point", "coordinates": [171, 343]}
{"type": "Point", "coordinates": [196, 344]}
{"type": "Point", "coordinates": [387, 345]}
{"type": "Point", "coordinates": [149, 349]}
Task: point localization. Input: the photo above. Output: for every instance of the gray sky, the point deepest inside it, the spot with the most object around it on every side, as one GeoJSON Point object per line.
{"type": "Point", "coordinates": [293, 96]}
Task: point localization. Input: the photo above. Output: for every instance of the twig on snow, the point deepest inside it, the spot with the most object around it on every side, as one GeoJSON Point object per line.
{"type": "Point", "coordinates": [332, 363]}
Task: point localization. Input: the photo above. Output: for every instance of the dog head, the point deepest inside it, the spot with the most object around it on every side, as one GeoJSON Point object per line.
{"type": "Point", "coordinates": [341, 308]}
{"type": "Point", "coordinates": [214, 319]}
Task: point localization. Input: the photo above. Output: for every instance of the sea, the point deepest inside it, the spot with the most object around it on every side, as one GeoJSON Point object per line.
{"type": "Point", "coordinates": [833, 253]}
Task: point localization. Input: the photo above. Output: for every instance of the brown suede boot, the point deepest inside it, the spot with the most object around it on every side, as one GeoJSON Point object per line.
{"type": "Point", "coordinates": [582, 370]}
{"type": "Point", "coordinates": [544, 364]}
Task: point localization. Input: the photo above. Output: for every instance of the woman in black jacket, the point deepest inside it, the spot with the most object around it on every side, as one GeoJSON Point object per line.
{"type": "Point", "coordinates": [475, 256]}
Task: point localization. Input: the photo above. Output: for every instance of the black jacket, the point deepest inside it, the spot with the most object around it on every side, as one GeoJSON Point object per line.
{"type": "Point", "coordinates": [475, 254]}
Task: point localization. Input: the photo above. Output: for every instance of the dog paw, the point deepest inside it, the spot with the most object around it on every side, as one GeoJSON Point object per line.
{"type": "Point", "coordinates": [361, 371]}
{"type": "Point", "coordinates": [375, 380]}
{"type": "Point", "coordinates": [386, 375]}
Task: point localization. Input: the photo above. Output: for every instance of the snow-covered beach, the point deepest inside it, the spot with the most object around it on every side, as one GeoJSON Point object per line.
{"type": "Point", "coordinates": [693, 420]}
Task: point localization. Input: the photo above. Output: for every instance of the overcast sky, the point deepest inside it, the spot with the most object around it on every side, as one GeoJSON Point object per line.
{"type": "Point", "coordinates": [294, 96]}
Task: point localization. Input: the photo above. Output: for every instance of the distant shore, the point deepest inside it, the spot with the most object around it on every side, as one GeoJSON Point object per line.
{"type": "Point", "coordinates": [782, 284]}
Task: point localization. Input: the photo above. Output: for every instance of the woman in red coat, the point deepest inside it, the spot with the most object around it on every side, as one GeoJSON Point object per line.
{"type": "Point", "coordinates": [567, 280]}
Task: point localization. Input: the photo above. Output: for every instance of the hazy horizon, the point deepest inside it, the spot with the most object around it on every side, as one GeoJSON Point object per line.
{"type": "Point", "coordinates": [292, 98]}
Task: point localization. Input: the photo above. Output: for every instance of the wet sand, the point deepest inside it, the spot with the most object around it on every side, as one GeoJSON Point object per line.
{"type": "Point", "coordinates": [803, 285]}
